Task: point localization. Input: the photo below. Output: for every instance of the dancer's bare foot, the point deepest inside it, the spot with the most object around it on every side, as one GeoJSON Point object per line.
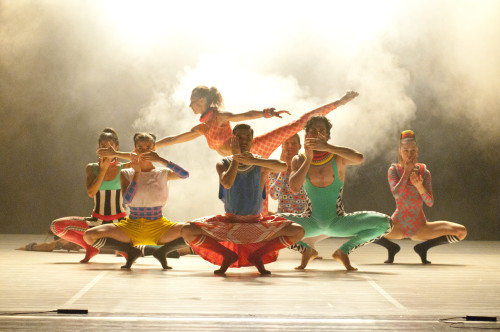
{"type": "Point", "coordinates": [308, 255]}
{"type": "Point", "coordinates": [257, 261]}
{"type": "Point", "coordinates": [344, 259]}
{"type": "Point", "coordinates": [229, 259]}
{"type": "Point", "coordinates": [47, 247]}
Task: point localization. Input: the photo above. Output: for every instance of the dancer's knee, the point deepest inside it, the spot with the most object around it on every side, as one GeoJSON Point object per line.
{"type": "Point", "coordinates": [55, 227]}
{"type": "Point", "coordinates": [190, 231]}
{"type": "Point", "coordinates": [295, 232]}
{"type": "Point", "coordinates": [461, 232]}
{"type": "Point", "coordinates": [91, 235]}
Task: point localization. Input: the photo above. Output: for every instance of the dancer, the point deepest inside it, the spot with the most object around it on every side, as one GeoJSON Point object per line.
{"type": "Point", "coordinates": [289, 202]}
{"type": "Point", "coordinates": [242, 237]}
{"type": "Point", "coordinates": [279, 188]}
{"type": "Point", "coordinates": [215, 124]}
{"type": "Point", "coordinates": [321, 170]}
{"type": "Point", "coordinates": [145, 191]}
{"type": "Point", "coordinates": [103, 185]}
{"type": "Point", "coordinates": [411, 186]}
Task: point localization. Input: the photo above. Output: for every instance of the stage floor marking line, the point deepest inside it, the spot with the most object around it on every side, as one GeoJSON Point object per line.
{"type": "Point", "coordinates": [385, 294]}
{"type": "Point", "coordinates": [85, 289]}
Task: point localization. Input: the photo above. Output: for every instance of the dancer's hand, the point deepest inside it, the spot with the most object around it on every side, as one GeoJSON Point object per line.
{"type": "Point", "coordinates": [408, 166]}
{"type": "Point", "coordinates": [317, 144]}
{"type": "Point", "coordinates": [104, 162]}
{"type": "Point", "coordinates": [151, 156]}
{"type": "Point", "coordinates": [235, 145]}
{"type": "Point", "coordinates": [134, 162]}
{"type": "Point", "coordinates": [277, 114]}
{"type": "Point", "coordinates": [245, 158]}
{"type": "Point", "coordinates": [417, 180]}
{"type": "Point", "coordinates": [350, 95]}
{"type": "Point", "coordinates": [106, 152]}
{"type": "Point", "coordinates": [308, 150]}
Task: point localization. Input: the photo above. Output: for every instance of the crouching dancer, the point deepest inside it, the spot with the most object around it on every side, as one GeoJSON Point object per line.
{"type": "Point", "coordinates": [242, 237]}
{"type": "Point", "coordinates": [321, 170]}
{"type": "Point", "coordinates": [145, 191]}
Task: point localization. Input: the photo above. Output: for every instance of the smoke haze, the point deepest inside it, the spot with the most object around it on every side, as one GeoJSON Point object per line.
{"type": "Point", "coordinates": [69, 69]}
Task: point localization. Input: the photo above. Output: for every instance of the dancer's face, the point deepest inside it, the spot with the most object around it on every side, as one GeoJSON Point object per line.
{"type": "Point", "coordinates": [143, 146]}
{"type": "Point", "coordinates": [318, 130]}
{"type": "Point", "coordinates": [291, 147]}
{"type": "Point", "coordinates": [245, 137]}
{"type": "Point", "coordinates": [409, 151]}
{"type": "Point", "coordinates": [198, 105]}
{"type": "Point", "coordinates": [106, 143]}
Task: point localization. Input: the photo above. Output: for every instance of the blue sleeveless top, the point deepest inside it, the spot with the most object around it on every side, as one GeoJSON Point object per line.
{"type": "Point", "coordinates": [244, 197]}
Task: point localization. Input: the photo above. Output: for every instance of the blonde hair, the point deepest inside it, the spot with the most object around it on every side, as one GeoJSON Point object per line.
{"type": "Point", "coordinates": [212, 95]}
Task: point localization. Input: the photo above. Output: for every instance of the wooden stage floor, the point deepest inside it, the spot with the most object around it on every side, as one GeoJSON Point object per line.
{"type": "Point", "coordinates": [464, 279]}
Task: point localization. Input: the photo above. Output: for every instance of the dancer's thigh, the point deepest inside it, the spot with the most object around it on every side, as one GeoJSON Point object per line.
{"type": "Point", "coordinates": [310, 225]}
{"type": "Point", "coordinates": [434, 229]}
{"type": "Point", "coordinates": [353, 223]}
{"type": "Point", "coordinates": [171, 234]}
{"type": "Point", "coordinates": [396, 233]}
{"type": "Point", "coordinates": [108, 230]}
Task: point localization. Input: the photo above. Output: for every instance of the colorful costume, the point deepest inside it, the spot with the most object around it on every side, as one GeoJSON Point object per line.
{"type": "Point", "coordinates": [242, 229]}
{"type": "Point", "coordinates": [409, 213]}
{"type": "Point", "coordinates": [146, 198]}
{"type": "Point", "coordinates": [107, 209]}
{"type": "Point", "coordinates": [263, 145]}
{"type": "Point", "coordinates": [323, 217]}
{"type": "Point", "coordinates": [288, 202]}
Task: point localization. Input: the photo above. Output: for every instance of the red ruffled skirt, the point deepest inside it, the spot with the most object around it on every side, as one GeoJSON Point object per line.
{"type": "Point", "coordinates": [241, 234]}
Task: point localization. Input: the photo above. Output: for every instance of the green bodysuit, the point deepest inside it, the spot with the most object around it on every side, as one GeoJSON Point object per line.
{"type": "Point", "coordinates": [325, 215]}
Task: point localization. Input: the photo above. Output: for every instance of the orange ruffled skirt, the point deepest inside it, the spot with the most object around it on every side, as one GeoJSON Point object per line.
{"type": "Point", "coordinates": [241, 234]}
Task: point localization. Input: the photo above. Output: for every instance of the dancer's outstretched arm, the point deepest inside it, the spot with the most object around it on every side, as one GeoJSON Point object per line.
{"type": "Point", "coordinates": [195, 132]}
{"type": "Point", "coordinates": [176, 171]}
{"type": "Point", "coordinates": [269, 164]}
{"type": "Point", "coordinates": [250, 115]}
{"type": "Point", "coordinates": [110, 152]}
{"type": "Point", "coordinates": [180, 138]}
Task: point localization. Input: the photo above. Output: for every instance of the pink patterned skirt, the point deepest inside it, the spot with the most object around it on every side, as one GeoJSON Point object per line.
{"type": "Point", "coordinates": [241, 234]}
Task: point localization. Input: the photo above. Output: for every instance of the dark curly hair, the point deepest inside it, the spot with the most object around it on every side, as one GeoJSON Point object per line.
{"type": "Point", "coordinates": [318, 118]}
{"type": "Point", "coordinates": [144, 137]}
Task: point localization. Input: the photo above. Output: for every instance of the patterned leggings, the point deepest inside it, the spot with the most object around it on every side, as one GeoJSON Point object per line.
{"type": "Point", "coordinates": [266, 144]}
{"type": "Point", "coordinates": [72, 229]}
